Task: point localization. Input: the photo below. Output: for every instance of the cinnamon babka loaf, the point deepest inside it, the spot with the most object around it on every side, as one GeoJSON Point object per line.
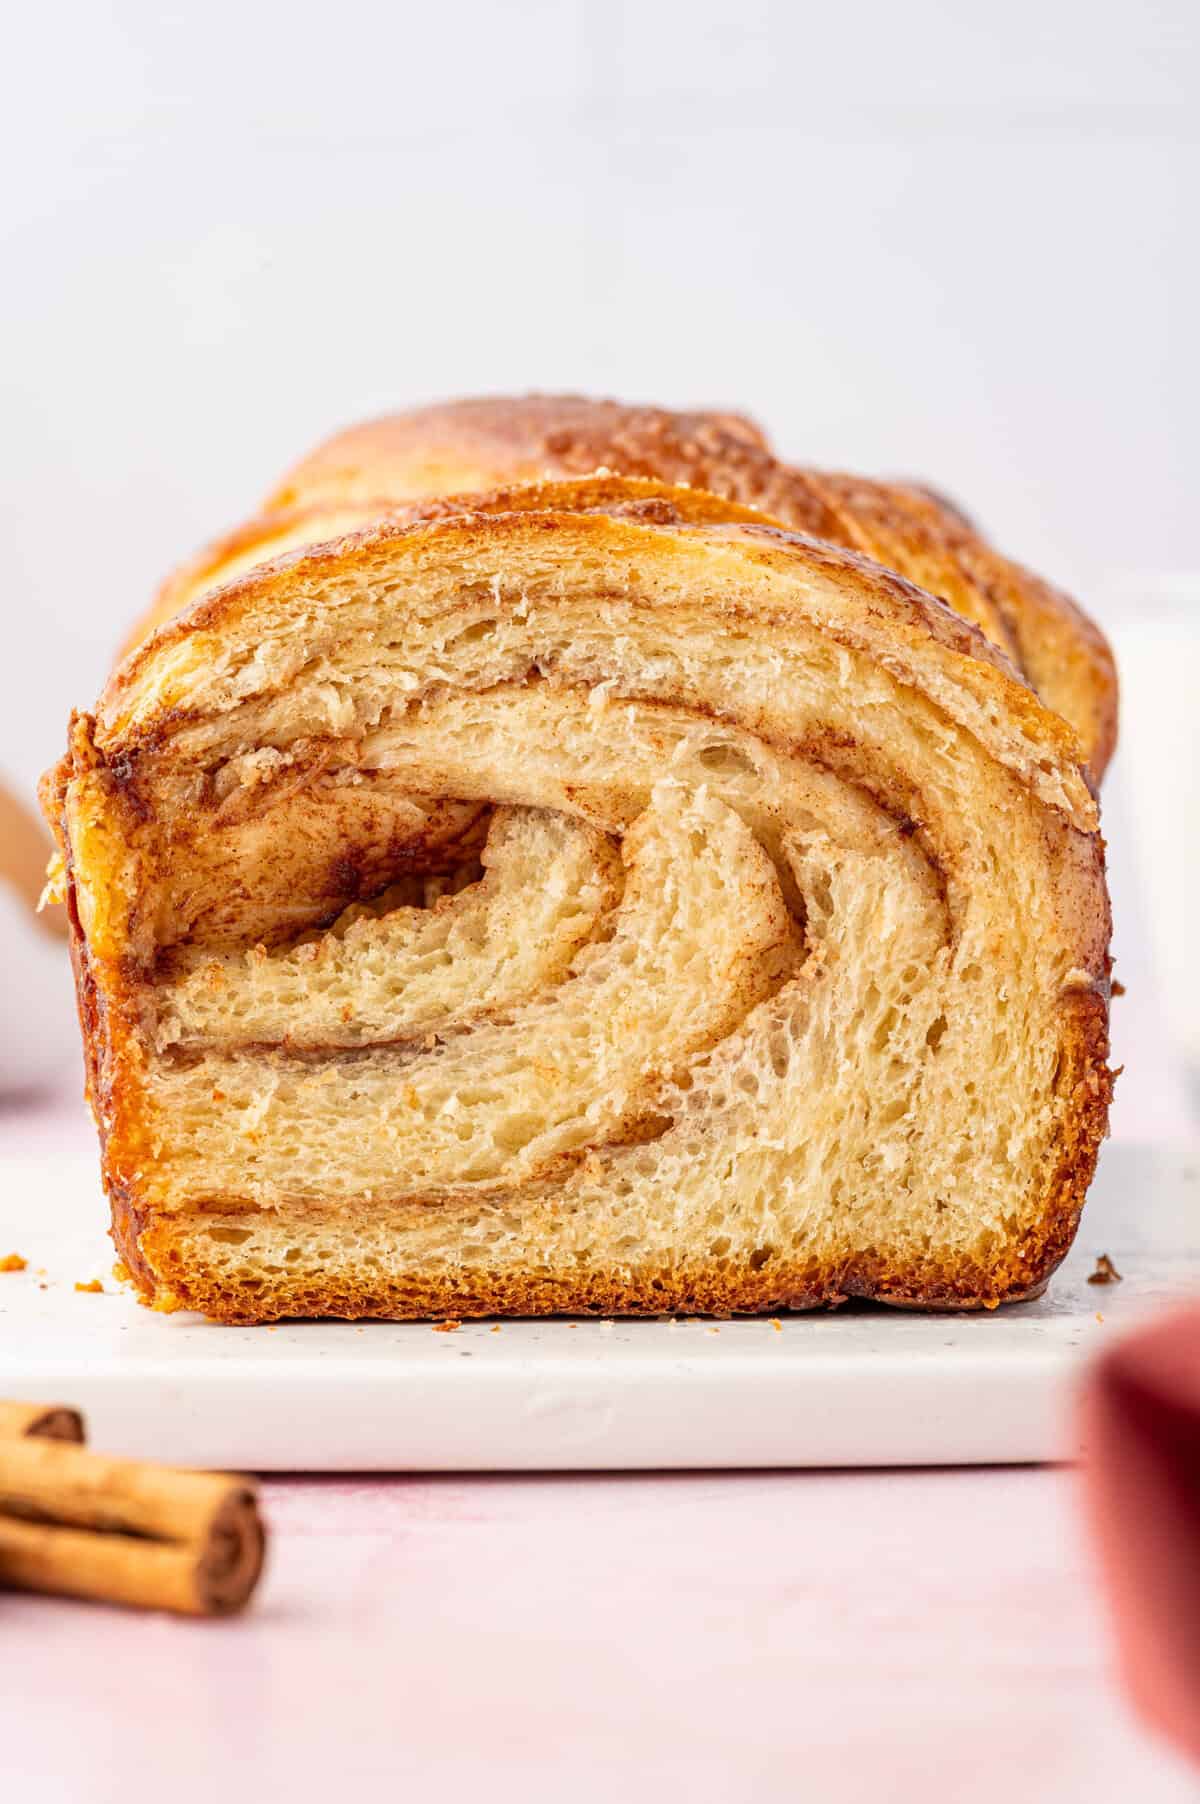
{"type": "Point", "coordinates": [585, 897]}
{"type": "Point", "coordinates": [492, 443]}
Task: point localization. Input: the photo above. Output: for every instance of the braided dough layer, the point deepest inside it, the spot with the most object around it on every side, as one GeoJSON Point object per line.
{"type": "Point", "coordinates": [604, 901]}
{"type": "Point", "coordinates": [499, 441]}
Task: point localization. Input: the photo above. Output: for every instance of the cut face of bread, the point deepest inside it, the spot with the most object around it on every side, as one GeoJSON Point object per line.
{"type": "Point", "coordinates": [701, 934]}
{"type": "Point", "coordinates": [584, 906]}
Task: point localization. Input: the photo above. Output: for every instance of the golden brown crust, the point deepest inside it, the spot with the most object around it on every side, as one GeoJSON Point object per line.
{"type": "Point", "coordinates": [494, 443]}
{"type": "Point", "coordinates": [286, 531]}
{"type": "Point", "coordinates": [497, 439]}
{"type": "Point", "coordinates": [483, 444]}
{"type": "Point", "coordinates": [472, 1295]}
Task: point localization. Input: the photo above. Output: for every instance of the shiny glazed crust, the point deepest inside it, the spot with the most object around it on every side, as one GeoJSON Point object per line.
{"type": "Point", "coordinates": [592, 591]}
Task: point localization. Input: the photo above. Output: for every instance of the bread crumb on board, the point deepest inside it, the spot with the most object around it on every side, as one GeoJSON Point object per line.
{"type": "Point", "coordinates": [13, 1262]}
{"type": "Point", "coordinates": [450, 1327]}
{"type": "Point", "coordinates": [93, 1286]}
{"type": "Point", "coordinates": [1105, 1272]}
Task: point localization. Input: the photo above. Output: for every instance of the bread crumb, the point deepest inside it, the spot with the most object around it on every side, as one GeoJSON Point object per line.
{"type": "Point", "coordinates": [495, 1327]}
{"type": "Point", "coordinates": [713, 1330]}
{"type": "Point", "coordinates": [1099, 1317]}
{"type": "Point", "coordinates": [93, 1286]}
{"type": "Point", "coordinates": [13, 1262]}
{"type": "Point", "coordinates": [450, 1327]}
{"type": "Point", "coordinates": [1105, 1272]}
{"type": "Point", "coordinates": [777, 1324]}
{"type": "Point", "coordinates": [122, 1273]}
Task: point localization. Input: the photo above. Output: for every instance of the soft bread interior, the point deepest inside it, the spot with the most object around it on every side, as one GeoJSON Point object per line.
{"type": "Point", "coordinates": [701, 935]}
{"type": "Point", "coordinates": [389, 970]}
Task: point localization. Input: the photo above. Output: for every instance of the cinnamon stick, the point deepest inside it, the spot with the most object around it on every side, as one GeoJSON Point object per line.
{"type": "Point", "coordinates": [86, 1525]}
{"type": "Point", "coordinates": [50, 1421]}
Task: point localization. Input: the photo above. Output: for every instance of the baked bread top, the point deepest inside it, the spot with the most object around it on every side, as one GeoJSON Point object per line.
{"type": "Point", "coordinates": [495, 442]}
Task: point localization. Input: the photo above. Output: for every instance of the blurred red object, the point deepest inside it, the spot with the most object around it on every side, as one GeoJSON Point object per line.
{"type": "Point", "coordinates": [1141, 1431]}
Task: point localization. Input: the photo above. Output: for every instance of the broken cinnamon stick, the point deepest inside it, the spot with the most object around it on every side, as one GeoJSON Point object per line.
{"type": "Point", "coordinates": [86, 1525]}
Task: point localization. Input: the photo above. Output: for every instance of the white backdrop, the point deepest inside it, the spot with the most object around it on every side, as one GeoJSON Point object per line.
{"type": "Point", "coordinates": [951, 241]}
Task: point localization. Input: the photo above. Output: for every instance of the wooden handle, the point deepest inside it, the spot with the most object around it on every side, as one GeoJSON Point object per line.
{"type": "Point", "coordinates": [24, 850]}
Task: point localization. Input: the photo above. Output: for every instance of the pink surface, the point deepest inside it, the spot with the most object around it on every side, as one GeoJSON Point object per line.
{"type": "Point", "coordinates": [826, 1636]}
{"type": "Point", "coordinates": [823, 1636]}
